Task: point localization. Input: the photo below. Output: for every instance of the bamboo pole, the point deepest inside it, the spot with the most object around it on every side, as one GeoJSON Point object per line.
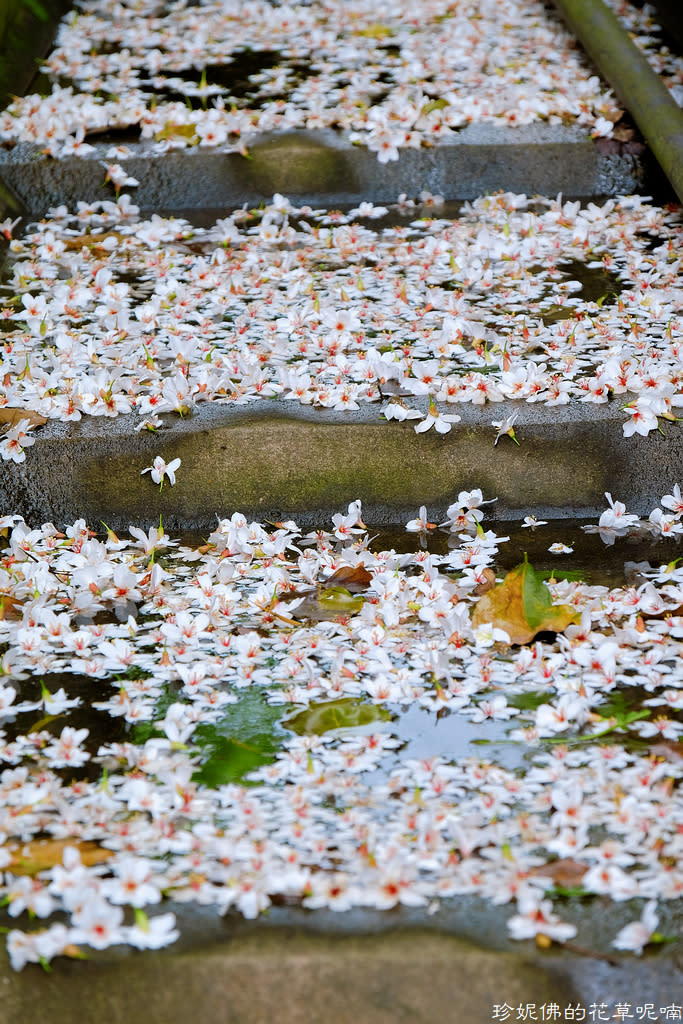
{"type": "Point", "coordinates": [637, 86]}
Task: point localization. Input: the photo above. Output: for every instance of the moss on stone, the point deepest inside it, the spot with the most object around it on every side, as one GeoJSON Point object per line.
{"type": "Point", "coordinates": [269, 466]}
{"type": "Point", "coordinates": [298, 165]}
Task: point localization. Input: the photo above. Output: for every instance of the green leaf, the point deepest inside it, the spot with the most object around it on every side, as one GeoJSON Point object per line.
{"type": "Point", "coordinates": [345, 713]}
{"type": "Point", "coordinates": [537, 601]}
{"type": "Point", "coordinates": [230, 760]}
{"type": "Point", "coordinates": [439, 104]}
{"type": "Point", "coordinates": [247, 737]}
{"type": "Point", "coordinates": [36, 9]}
{"type": "Point", "coordinates": [620, 703]}
{"type": "Point", "coordinates": [530, 701]}
{"type": "Point", "coordinates": [576, 892]}
{"type": "Point", "coordinates": [141, 919]}
{"type": "Point", "coordinates": [339, 599]}
{"type": "Point", "coordinates": [570, 575]}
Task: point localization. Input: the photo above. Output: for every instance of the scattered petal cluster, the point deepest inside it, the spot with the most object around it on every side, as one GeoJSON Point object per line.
{"type": "Point", "coordinates": [106, 313]}
{"type": "Point", "coordinates": [125, 661]}
{"type": "Point", "coordinates": [394, 75]}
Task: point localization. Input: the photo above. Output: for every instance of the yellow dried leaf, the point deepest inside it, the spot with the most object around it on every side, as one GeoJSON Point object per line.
{"type": "Point", "coordinates": [76, 242]}
{"type": "Point", "coordinates": [10, 607]}
{"type": "Point", "coordinates": [176, 131]}
{"type": "Point", "coordinates": [523, 606]}
{"type": "Point", "coordinates": [43, 854]}
{"type": "Point", "coordinates": [375, 31]}
{"type": "Point", "coordinates": [341, 600]}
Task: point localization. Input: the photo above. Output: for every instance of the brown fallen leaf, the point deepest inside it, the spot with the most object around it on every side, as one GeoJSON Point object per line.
{"type": "Point", "coordinates": [12, 416]}
{"type": "Point", "coordinates": [487, 583]}
{"type": "Point", "coordinates": [564, 872]}
{"type": "Point", "coordinates": [42, 854]}
{"type": "Point", "coordinates": [623, 134]}
{"type": "Point", "coordinates": [523, 606]}
{"type": "Point", "coordinates": [545, 942]}
{"type": "Point", "coordinates": [594, 954]}
{"type": "Point", "coordinates": [356, 579]}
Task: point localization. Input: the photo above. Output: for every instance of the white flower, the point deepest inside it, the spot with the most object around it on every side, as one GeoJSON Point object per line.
{"type": "Point", "coordinates": [536, 917]}
{"type": "Point", "coordinates": [602, 128]}
{"type": "Point", "coordinates": [153, 933]}
{"type": "Point", "coordinates": [7, 226]}
{"type": "Point", "coordinates": [21, 947]}
{"type": "Point", "coordinates": [643, 419]}
{"type": "Point", "coordinates": [421, 524]}
{"type": "Point", "coordinates": [66, 750]}
{"type": "Point", "coordinates": [57, 703]}
{"type": "Point", "coordinates": [532, 522]}
{"type": "Point", "coordinates": [133, 883]}
{"type": "Point", "coordinates": [616, 516]}
{"type": "Point", "coordinates": [506, 427]}
{"type": "Point", "coordinates": [636, 935]}
{"type": "Point", "coordinates": [98, 924]}
{"type": "Point", "coordinates": [15, 440]}
{"type": "Point", "coordinates": [151, 422]}
{"type": "Point", "coordinates": [441, 423]}
{"type": "Point", "coordinates": [396, 410]}
{"type": "Point", "coordinates": [486, 635]}
{"type": "Point", "coordinates": [364, 210]}
{"type": "Point", "coordinates": [160, 469]}
{"type": "Point", "coordinates": [119, 177]}
{"type": "Point", "coordinates": [674, 501]}
{"type": "Point", "coordinates": [495, 707]}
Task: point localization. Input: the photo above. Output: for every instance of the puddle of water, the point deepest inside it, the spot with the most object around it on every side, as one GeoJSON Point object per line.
{"type": "Point", "coordinates": [592, 559]}
{"type": "Point", "coordinates": [247, 736]}
{"type": "Point", "coordinates": [243, 79]}
{"type": "Point", "coordinates": [344, 785]}
{"type": "Point", "coordinates": [102, 728]}
{"type": "Point", "coordinates": [596, 282]}
{"type": "Point", "coordinates": [451, 735]}
{"type": "Point", "coordinates": [249, 733]}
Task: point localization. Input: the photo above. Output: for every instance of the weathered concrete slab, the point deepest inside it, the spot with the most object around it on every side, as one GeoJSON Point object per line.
{"type": "Point", "coordinates": [291, 978]}
{"type": "Point", "coordinates": [323, 168]}
{"type": "Point", "coordinates": [290, 975]}
{"type": "Point", "coordinates": [271, 460]}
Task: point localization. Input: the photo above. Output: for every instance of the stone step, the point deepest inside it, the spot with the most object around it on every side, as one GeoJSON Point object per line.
{"type": "Point", "coordinates": [293, 976]}
{"type": "Point", "coordinates": [271, 461]}
{"type": "Point", "coordinates": [323, 168]}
